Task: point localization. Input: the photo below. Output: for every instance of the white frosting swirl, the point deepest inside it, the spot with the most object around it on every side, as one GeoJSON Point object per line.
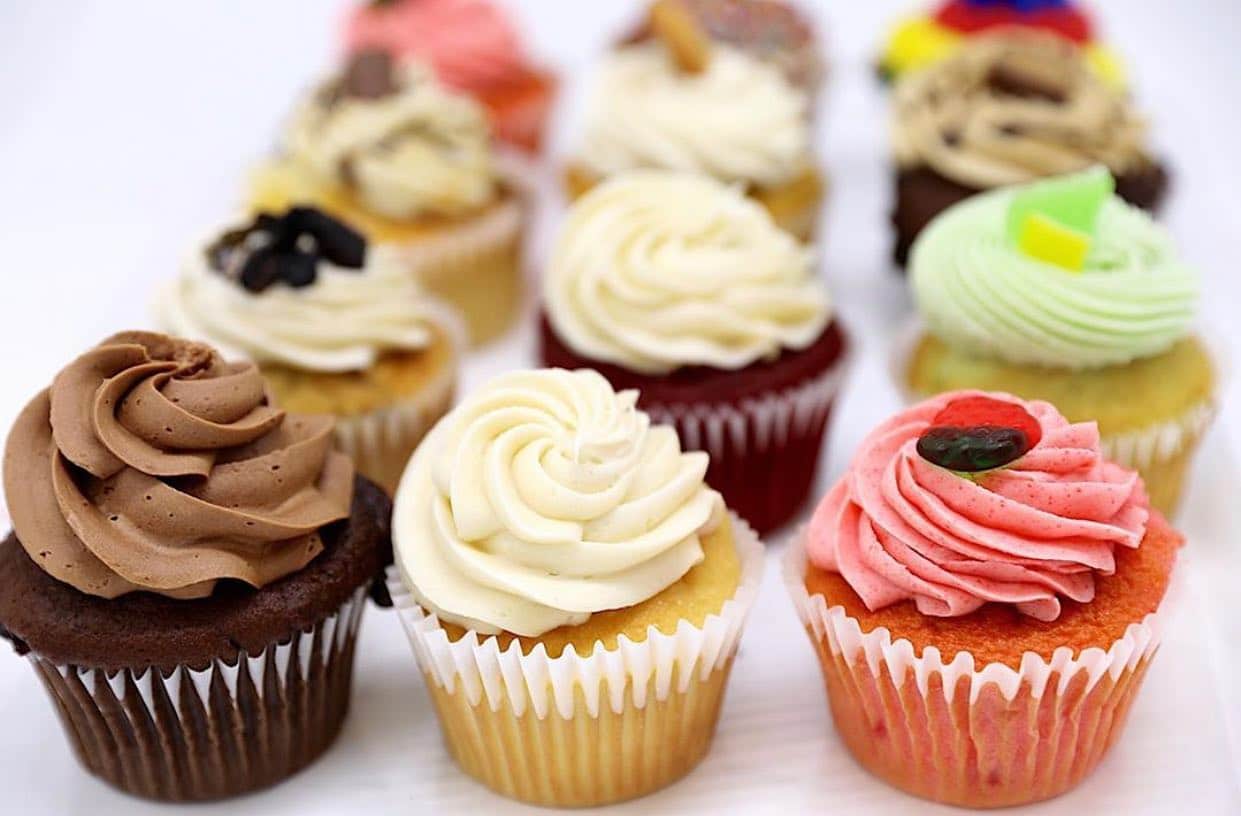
{"type": "Point", "coordinates": [656, 270]}
{"type": "Point", "coordinates": [341, 322]}
{"type": "Point", "coordinates": [420, 151]}
{"type": "Point", "coordinates": [544, 498]}
{"type": "Point", "coordinates": [739, 120]}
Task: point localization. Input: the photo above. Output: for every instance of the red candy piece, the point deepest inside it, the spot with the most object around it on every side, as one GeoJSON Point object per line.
{"type": "Point", "coordinates": [969, 18]}
{"type": "Point", "coordinates": [985, 412]}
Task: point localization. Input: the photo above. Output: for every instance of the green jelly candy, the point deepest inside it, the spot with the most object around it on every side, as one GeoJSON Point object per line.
{"type": "Point", "coordinates": [1073, 201]}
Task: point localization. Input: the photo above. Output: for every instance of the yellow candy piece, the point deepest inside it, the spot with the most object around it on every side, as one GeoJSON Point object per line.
{"type": "Point", "coordinates": [1107, 65]}
{"type": "Point", "coordinates": [1050, 241]}
{"type": "Point", "coordinates": [917, 43]}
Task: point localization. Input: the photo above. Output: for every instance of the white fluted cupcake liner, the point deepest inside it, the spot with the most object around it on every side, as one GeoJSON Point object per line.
{"type": "Point", "coordinates": [588, 729]}
{"type": "Point", "coordinates": [211, 732]}
{"type": "Point", "coordinates": [988, 736]}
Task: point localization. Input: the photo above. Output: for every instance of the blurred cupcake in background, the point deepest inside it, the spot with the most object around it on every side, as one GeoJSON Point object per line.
{"type": "Point", "coordinates": [1009, 108]}
{"type": "Point", "coordinates": [392, 152]}
{"type": "Point", "coordinates": [984, 591]}
{"type": "Point", "coordinates": [774, 31]}
{"type": "Point", "coordinates": [335, 326]}
{"type": "Point", "coordinates": [474, 48]}
{"type": "Point", "coordinates": [573, 591]}
{"type": "Point", "coordinates": [188, 568]}
{"type": "Point", "coordinates": [1060, 291]}
{"type": "Point", "coordinates": [683, 288]}
{"type": "Point", "coordinates": [679, 101]}
{"type": "Point", "coordinates": [921, 40]}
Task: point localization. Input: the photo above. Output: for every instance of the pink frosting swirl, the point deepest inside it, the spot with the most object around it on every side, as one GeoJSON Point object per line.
{"type": "Point", "coordinates": [898, 527]}
{"type": "Point", "coordinates": [470, 44]}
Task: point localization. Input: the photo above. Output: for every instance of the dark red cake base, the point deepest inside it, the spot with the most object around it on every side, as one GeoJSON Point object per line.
{"type": "Point", "coordinates": [763, 425]}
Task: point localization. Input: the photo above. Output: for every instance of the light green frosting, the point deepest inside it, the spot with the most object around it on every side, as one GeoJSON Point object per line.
{"type": "Point", "coordinates": [979, 293]}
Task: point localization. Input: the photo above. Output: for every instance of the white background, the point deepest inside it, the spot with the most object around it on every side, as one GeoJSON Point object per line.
{"type": "Point", "coordinates": [126, 130]}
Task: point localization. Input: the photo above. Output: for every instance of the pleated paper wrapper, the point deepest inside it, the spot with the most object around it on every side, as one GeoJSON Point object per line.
{"type": "Point", "coordinates": [215, 732]}
{"type": "Point", "coordinates": [764, 450]}
{"type": "Point", "coordinates": [582, 730]}
{"type": "Point", "coordinates": [974, 737]}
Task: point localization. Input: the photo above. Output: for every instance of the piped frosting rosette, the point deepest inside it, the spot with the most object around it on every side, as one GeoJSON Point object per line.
{"type": "Point", "coordinates": [541, 500]}
{"type": "Point", "coordinates": [151, 464]}
{"type": "Point", "coordinates": [1033, 535]}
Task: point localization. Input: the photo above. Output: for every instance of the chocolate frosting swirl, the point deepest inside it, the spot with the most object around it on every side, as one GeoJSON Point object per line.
{"type": "Point", "coordinates": [152, 464]}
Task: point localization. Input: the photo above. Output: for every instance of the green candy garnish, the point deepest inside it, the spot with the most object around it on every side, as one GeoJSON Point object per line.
{"type": "Point", "coordinates": [1054, 220]}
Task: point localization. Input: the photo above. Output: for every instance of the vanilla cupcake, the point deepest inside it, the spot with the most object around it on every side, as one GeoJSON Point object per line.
{"type": "Point", "coordinates": [336, 327]}
{"type": "Point", "coordinates": [410, 163]}
{"type": "Point", "coordinates": [572, 589]}
{"type": "Point", "coordinates": [735, 118]}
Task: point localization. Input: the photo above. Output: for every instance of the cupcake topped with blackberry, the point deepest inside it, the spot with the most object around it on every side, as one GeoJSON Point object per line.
{"type": "Point", "coordinates": [473, 47]}
{"type": "Point", "coordinates": [680, 101]}
{"type": "Point", "coordinates": [1011, 108]}
{"type": "Point", "coordinates": [683, 288]}
{"type": "Point", "coordinates": [384, 147]}
{"type": "Point", "coordinates": [982, 561]}
{"type": "Point", "coordinates": [920, 41]}
{"type": "Point", "coordinates": [336, 325]}
{"type": "Point", "coordinates": [171, 520]}
{"type": "Point", "coordinates": [1060, 291]}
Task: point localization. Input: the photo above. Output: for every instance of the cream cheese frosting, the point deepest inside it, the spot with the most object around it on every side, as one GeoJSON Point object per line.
{"type": "Point", "coordinates": [739, 120]}
{"type": "Point", "coordinates": [546, 497]}
{"type": "Point", "coordinates": [414, 150]}
{"type": "Point", "coordinates": [897, 527]}
{"type": "Point", "coordinates": [342, 322]}
{"type": "Point", "coordinates": [654, 270]}
{"type": "Point", "coordinates": [979, 293]}
{"type": "Point", "coordinates": [1012, 107]}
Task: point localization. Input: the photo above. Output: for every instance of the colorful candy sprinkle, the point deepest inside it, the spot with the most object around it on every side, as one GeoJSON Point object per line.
{"type": "Point", "coordinates": [974, 434]}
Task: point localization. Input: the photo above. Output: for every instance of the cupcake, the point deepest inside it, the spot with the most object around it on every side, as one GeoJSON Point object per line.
{"type": "Point", "coordinates": [1060, 291]}
{"type": "Point", "coordinates": [682, 102]}
{"type": "Point", "coordinates": [983, 589]}
{"type": "Point", "coordinates": [684, 289]}
{"type": "Point", "coordinates": [1011, 108]}
{"type": "Point", "coordinates": [919, 41]}
{"type": "Point", "coordinates": [774, 31]}
{"type": "Point", "coordinates": [474, 49]}
{"type": "Point", "coordinates": [187, 569]}
{"type": "Point", "coordinates": [335, 326]}
{"type": "Point", "coordinates": [389, 150]}
{"type": "Point", "coordinates": [573, 591]}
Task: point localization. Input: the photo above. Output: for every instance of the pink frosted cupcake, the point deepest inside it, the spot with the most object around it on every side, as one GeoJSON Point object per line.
{"type": "Point", "coordinates": [474, 48]}
{"type": "Point", "coordinates": [982, 589]}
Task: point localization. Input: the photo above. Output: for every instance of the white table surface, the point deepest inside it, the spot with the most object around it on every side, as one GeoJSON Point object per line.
{"type": "Point", "coordinates": [127, 127]}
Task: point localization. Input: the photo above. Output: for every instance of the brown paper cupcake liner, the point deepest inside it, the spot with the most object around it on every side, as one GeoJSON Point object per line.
{"type": "Point", "coordinates": [582, 730]}
{"type": "Point", "coordinates": [214, 732]}
{"type": "Point", "coordinates": [990, 736]}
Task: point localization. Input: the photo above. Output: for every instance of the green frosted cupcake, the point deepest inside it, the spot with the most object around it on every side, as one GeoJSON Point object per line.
{"type": "Point", "coordinates": [1060, 291]}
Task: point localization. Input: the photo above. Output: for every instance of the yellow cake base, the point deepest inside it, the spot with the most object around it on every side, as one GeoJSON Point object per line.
{"type": "Point", "coordinates": [794, 206]}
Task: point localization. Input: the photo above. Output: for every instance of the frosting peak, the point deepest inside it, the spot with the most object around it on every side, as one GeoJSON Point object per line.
{"type": "Point", "coordinates": [655, 270]}
{"type": "Point", "coordinates": [738, 120]}
{"type": "Point", "coordinates": [544, 498]}
{"type": "Point", "coordinates": [897, 527]}
{"type": "Point", "coordinates": [980, 293]}
{"type": "Point", "coordinates": [151, 464]}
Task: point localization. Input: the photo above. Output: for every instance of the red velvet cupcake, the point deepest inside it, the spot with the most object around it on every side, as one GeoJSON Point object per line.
{"type": "Point", "coordinates": [682, 288]}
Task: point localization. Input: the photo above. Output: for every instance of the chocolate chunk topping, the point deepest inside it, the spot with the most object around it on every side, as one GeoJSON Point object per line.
{"type": "Point", "coordinates": [286, 248]}
{"type": "Point", "coordinates": [369, 75]}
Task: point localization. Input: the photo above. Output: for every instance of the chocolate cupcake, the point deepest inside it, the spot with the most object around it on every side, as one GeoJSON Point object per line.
{"type": "Point", "coordinates": [683, 288]}
{"type": "Point", "coordinates": [187, 569]}
{"type": "Point", "coordinates": [1011, 108]}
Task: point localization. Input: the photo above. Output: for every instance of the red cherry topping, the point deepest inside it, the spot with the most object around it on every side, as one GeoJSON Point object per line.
{"type": "Point", "coordinates": [974, 434]}
{"type": "Point", "coordinates": [972, 17]}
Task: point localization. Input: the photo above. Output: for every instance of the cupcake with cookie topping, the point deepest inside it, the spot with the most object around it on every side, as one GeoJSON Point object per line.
{"type": "Point", "coordinates": [386, 148]}
{"type": "Point", "coordinates": [983, 589]}
{"type": "Point", "coordinates": [187, 569]}
{"type": "Point", "coordinates": [337, 326]}
{"type": "Point", "coordinates": [1011, 108]}
{"type": "Point", "coordinates": [681, 102]}
{"type": "Point", "coordinates": [1060, 291]}
{"type": "Point", "coordinates": [573, 590]}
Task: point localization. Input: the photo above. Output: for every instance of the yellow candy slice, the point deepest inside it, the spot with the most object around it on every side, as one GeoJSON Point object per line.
{"type": "Point", "coordinates": [1053, 242]}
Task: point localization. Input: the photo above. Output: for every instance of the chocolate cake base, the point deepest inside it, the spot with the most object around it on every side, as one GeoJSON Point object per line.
{"type": "Point", "coordinates": [202, 699]}
{"type": "Point", "coordinates": [922, 194]}
{"type": "Point", "coordinates": [763, 425]}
